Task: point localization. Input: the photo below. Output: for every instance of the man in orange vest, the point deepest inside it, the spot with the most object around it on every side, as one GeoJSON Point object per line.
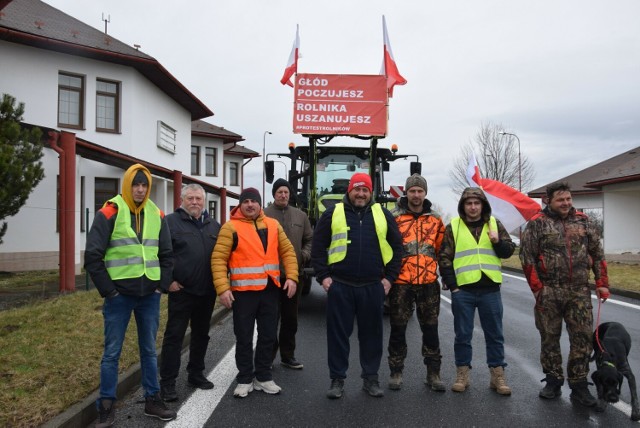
{"type": "Point", "coordinates": [246, 274]}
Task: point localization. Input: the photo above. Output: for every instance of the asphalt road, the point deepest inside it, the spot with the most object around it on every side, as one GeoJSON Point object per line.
{"type": "Point", "coordinates": [302, 402]}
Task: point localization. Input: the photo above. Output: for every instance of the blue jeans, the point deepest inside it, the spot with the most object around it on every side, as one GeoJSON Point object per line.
{"type": "Point", "coordinates": [489, 305]}
{"type": "Point", "coordinates": [117, 312]}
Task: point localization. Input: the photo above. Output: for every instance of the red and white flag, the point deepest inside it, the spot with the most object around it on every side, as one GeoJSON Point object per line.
{"type": "Point", "coordinates": [292, 64]}
{"type": "Point", "coordinates": [508, 205]}
{"type": "Point", "coordinates": [389, 67]}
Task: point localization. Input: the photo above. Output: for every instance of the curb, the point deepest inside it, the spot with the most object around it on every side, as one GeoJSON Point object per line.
{"type": "Point", "coordinates": [81, 414]}
{"type": "Point", "coordinates": [615, 291]}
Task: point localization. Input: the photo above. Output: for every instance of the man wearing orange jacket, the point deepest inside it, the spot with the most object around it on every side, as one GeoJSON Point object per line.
{"type": "Point", "coordinates": [246, 274]}
{"type": "Point", "coordinates": [422, 232]}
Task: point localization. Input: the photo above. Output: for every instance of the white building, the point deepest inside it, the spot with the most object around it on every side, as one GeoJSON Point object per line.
{"type": "Point", "coordinates": [112, 106]}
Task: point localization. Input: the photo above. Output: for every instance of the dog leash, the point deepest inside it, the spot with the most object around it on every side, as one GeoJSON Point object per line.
{"type": "Point", "coordinates": [602, 350]}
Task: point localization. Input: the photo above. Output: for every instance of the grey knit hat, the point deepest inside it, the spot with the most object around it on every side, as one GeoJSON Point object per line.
{"type": "Point", "coordinates": [416, 180]}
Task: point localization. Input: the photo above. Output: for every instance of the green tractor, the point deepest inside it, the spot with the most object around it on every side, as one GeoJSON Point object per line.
{"type": "Point", "coordinates": [319, 175]}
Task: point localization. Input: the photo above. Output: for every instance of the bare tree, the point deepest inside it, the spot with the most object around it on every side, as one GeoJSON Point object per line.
{"type": "Point", "coordinates": [497, 157]}
{"type": "Point", "coordinates": [438, 209]}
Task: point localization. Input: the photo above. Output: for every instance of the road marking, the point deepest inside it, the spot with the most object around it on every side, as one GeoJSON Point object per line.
{"type": "Point", "coordinates": [199, 407]}
{"type": "Point", "coordinates": [593, 296]}
{"type": "Point", "coordinates": [617, 302]}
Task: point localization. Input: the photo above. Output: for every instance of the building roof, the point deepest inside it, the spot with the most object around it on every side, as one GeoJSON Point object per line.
{"type": "Point", "coordinates": [207, 130]}
{"type": "Point", "coordinates": [230, 139]}
{"type": "Point", "coordinates": [37, 24]}
{"type": "Point", "coordinates": [622, 168]}
{"type": "Point", "coordinates": [237, 149]}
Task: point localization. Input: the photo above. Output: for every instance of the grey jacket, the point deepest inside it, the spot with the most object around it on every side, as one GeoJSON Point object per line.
{"type": "Point", "coordinates": [297, 228]}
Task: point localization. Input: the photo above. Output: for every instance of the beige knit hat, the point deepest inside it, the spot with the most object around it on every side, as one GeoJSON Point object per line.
{"type": "Point", "coordinates": [416, 180]}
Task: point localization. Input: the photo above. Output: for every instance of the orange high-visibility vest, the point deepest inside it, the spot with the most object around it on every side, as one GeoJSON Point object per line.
{"type": "Point", "coordinates": [249, 265]}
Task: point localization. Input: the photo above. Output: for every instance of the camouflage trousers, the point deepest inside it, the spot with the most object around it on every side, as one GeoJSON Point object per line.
{"type": "Point", "coordinates": [574, 306]}
{"type": "Point", "coordinates": [402, 300]}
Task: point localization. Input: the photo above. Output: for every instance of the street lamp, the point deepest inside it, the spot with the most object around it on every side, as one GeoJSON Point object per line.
{"type": "Point", "coordinates": [519, 159]}
{"type": "Point", "coordinates": [264, 178]}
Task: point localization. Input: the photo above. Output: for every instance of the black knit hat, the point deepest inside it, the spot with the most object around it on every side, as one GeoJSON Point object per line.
{"type": "Point", "coordinates": [280, 182]}
{"type": "Point", "coordinates": [250, 193]}
{"type": "Point", "coordinates": [140, 178]}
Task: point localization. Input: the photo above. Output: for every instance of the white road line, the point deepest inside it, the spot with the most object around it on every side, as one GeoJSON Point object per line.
{"type": "Point", "coordinates": [623, 407]}
{"type": "Point", "coordinates": [593, 296]}
{"type": "Point", "coordinates": [199, 407]}
{"type": "Point", "coordinates": [617, 302]}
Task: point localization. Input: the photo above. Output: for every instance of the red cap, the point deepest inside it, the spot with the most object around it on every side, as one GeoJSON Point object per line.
{"type": "Point", "coordinates": [360, 179]}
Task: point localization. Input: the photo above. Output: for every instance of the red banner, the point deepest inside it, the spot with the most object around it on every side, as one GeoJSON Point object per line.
{"type": "Point", "coordinates": [338, 104]}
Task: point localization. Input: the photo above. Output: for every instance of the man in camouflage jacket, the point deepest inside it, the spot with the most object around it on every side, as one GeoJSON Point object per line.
{"type": "Point", "coordinates": [422, 231]}
{"type": "Point", "coordinates": [559, 247]}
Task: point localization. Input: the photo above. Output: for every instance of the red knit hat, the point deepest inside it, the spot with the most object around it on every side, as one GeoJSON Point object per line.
{"type": "Point", "coordinates": [360, 179]}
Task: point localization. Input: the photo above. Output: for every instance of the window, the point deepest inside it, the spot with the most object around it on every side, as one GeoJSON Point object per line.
{"type": "Point", "coordinates": [233, 174]}
{"type": "Point", "coordinates": [213, 208]}
{"type": "Point", "coordinates": [70, 101]}
{"type": "Point", "coordinates": [107, 106]}
{"type": "Point", "coordinates": [195, 160]}
{"type": "Point", "coordinates": [106, 188]}
{"type": "Point", "coordinates": [211, 161]}
{"type": "Point", "coordinates": [167, 137]}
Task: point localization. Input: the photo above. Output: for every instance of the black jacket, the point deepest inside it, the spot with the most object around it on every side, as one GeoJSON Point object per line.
{"type": "Point", "coordinates": [193, 241]}
{"type": "Point", "coordinates": [363, 263]}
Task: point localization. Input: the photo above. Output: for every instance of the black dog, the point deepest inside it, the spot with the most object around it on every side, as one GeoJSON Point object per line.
{"type": "Point", "coordinates": [611, 361]}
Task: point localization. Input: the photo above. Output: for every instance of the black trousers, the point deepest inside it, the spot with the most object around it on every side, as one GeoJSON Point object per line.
{"type": "Point", "coordinates": [185, 309]}
{"type": "Point", "coordinates": [250, 308]}
{"type": "Point", "coordinates": [288, 323]}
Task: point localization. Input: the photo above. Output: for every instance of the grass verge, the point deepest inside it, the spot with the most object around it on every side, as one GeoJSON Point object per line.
{"type": "Point", "coordinates": [50, 355]}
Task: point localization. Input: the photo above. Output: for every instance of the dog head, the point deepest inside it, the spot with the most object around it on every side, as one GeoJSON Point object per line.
{"type": "Point", "coordinates": [608, 381]}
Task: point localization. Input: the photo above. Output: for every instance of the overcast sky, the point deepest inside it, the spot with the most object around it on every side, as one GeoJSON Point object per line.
{"type": "Point", "coordinates": [564, 75]}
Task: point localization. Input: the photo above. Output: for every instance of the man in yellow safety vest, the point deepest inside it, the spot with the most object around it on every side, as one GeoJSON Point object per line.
{"type": "Point", "coordinates": [129, 257]}
{"type": "Point", "coordinates": [356, 253]}
{"type": "Point", "coordinates": [470, 267]}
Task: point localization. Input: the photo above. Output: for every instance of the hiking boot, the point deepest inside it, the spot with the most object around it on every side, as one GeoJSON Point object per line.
{"type": "Point", "coordinates": [580, 393]}
{"type": "Point", "coordinates": [336, 389]}
{"type": "Point", "coordinates": [106, 413]}
{"type": "Point", "coordinates": [291, 363]}
{"type": "Point", "coordinates": [267, 386]}
{"type": "Point", "coordinates": [498, 381]}
{"type": "Point", "coordinates": [433, 380]}
{"type": "Point", "coordinates": [155, 407]}
{"type": "Point", "coordinates": [395, 381]}
{"type": "Point", "coordinates": [198, 380]}
{"type": "Point", "coordinates": [552, 389]}
{"type": "Point", "coordinates": [168, 392]}
{"type": "Point", "coordinates": [462, 379]}
{"type": "Point", "coordinates": [243, 389]}
{"type": "Point", "coordinates": [372, 386]}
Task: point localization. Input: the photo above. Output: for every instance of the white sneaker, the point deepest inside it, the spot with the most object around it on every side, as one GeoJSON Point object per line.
{"type": "Point", "coordinates": [243, 389]}
{"type": "Point", "coordinates": [268, 386]}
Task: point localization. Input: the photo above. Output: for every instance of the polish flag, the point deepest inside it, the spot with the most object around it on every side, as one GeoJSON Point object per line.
{"type": "Point", "coordinates": [389, 67]}
{"type": "Point", "coordinates": [508, 205]}
{"type": "Point", "coordinates": [292, 64]}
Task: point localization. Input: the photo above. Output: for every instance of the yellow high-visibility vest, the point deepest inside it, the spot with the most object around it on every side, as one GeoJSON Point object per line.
{"type": "Point", "coordinates": [338, 247]}
{"type": "Point", "coordinates": [474, 258]}
{"type": "Point", "coordinates": [126, 256]}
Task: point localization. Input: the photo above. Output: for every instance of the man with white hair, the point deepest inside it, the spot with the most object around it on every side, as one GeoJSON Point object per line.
{"type": "Point", "coordinates": [191, 295]}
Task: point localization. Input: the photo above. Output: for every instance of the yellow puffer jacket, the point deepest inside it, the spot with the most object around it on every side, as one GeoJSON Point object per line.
{"type": "Point", "coordinates": [225, 245]}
